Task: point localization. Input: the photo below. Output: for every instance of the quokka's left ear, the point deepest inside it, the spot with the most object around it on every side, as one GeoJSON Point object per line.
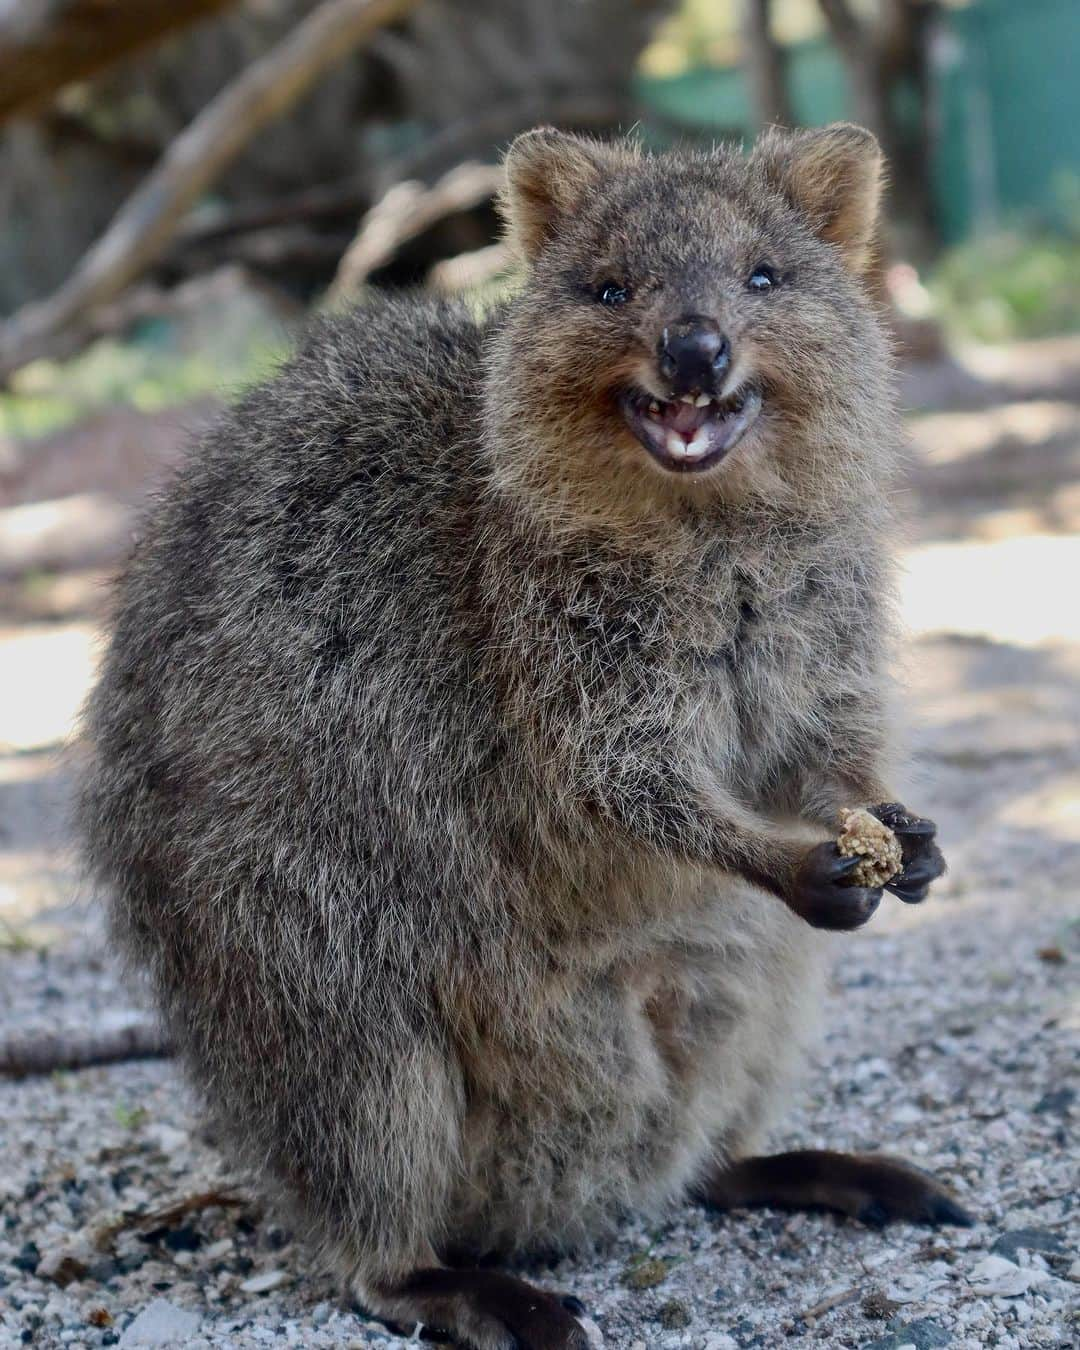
{"type": "Point", "coordinates": [834, 177]}
{"type": "Point", "coordinates": [549, 173]}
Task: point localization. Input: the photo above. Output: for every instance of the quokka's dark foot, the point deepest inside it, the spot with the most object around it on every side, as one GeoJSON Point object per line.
{"type": "Point", "coordinates": [871, 1188]}
{"type": "Point", "coordinates": [487, 1310]}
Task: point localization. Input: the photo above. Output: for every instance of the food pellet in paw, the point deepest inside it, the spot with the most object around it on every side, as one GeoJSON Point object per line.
{"type": "Point", "coordinates": [863, 834]}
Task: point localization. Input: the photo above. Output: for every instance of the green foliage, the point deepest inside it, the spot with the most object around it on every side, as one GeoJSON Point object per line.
{"type": "Point", "coordinates": [130, 1117]}
{"type": "Point", "coordinates": [706, 33]}
{"type": "Point", "coordinates": [13, 939]}
{"type": "Point", "coordinates": [1020, 283]}
{"type": "Point", "coordinates": [148, 371]}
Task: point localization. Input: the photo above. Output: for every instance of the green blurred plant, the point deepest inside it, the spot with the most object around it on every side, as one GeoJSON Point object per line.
{"type": "Point", "coordinates": [13, 939]}
{"type": "Point", "coordinates": [146, 371]}
{"type": "Point", "coordinates": [1023, 282]}
{"type": "Point", "coordinates": [706, 33]}
{"type": "Point", "coordinates": [130, 1117]}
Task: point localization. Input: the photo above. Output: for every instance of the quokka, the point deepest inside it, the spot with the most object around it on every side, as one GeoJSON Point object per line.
{"type": "Point", "coordinates": [482, 694]}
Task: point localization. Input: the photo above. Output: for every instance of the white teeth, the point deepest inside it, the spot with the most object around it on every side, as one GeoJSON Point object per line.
{"type": "Point", "coordinates": [697, 447]}
{"type": "Point", "coordinates": [654, 406]}
{"type": "Point", "coordinates": [676, 446]}
{"type": "Point", "coordinates": [702, 400]}
{"type": "Point", "coordinates": [687, 398]}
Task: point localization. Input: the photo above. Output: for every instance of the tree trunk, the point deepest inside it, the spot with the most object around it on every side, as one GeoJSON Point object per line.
{"type": "Point", "coordinates": [763, 62]}
{"type": "Point", "coordinates": [903, 56]}
{"type": "Point", "coordinates": [857, 47]}
{"type": "Point", "coordinates": [876, 57]}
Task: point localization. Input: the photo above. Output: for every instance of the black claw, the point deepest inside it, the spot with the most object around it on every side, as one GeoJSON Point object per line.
{"type": "Point", "coordinates": [573, 1305]}
{"type": "Point", "coordinates": [911, 895]}
{"type": "Point", "coordinates": [915, 829]}
{"type": "Point", "coordinates": [926, 867]}
{"type": "Point", "coordinates": [846, 864]}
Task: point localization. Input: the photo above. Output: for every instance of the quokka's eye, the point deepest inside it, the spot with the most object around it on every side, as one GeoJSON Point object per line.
{"type": "Point", "coordinates": [613, 293]}
{"type": "Point", "coordinates": [763, 278]}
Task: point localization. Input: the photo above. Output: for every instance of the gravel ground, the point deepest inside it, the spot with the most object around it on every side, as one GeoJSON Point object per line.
{"type": "Point", "coordinates": [953, 1040]}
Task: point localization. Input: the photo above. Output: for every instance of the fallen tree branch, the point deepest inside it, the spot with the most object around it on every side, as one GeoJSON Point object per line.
{"type": "Point", "coordinates": [468, 270]}
{"type": "Point", "coordinates": [406, 211]}
{"type": "Point", "coordinates": [35, 1053]}
{"type": "Point", "coordinates": [148, 220]}
{"type": "Point", "coordinates": [46, 44]}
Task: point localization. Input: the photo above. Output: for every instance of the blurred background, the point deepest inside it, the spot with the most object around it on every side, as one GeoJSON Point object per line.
{"type": "Point", "coordinates": [181, 185]}
{"type": "Point", "coordinates": [180, 182]}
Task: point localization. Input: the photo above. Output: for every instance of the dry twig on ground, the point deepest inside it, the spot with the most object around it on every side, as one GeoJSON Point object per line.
{"type": "Point", "coordinates": [71, 1048]}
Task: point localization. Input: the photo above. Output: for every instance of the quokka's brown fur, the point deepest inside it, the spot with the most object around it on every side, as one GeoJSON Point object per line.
{"type": "Point", "coordinates": [447, 747]}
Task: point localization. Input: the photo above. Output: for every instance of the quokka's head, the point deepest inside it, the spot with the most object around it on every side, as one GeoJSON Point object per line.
{"type": "Point", "coordinates": [693, 317]}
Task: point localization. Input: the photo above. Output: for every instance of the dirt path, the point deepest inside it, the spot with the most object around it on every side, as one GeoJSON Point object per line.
{"type": "Point", "coordinates": [953, 1028]}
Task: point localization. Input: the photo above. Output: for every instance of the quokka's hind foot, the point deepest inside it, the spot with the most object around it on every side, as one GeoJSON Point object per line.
{"type": "Point", "coordinates": [484, 1310]}
{"type": "Point", "coordinates": [871, 1188]}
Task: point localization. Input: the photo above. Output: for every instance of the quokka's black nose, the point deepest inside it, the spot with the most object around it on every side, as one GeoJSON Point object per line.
{"type": "Point", "coordinates": [693, 355]}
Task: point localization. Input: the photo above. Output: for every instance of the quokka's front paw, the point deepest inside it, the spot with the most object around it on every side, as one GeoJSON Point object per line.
{"type": "Point", "coordinates": [822, 895]}
{"type": "Point", "coordinates": [923, 860]}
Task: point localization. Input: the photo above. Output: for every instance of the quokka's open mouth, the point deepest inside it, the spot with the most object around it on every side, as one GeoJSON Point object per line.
{"type": "Point", "coordinates": [690, 435]}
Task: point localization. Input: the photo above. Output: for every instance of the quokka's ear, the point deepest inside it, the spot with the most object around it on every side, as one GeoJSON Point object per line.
{"type": "Point", "coordinates": [834, 177]}
{"type": "Point", "coordinates": [548, 175]}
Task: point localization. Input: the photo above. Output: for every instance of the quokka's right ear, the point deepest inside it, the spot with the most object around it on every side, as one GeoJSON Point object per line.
{"type": "Point", "coordinates": [548, 175]}
{"type": "Point", "coordinates": [833, 175]}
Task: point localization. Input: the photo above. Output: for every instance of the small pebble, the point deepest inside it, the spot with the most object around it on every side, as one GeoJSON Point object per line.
{"type": "Point", "coordinates": [161, 1323]}
{"type": "Point", "coordinates": [996, 1276]}
{"type": "Point", "coordinates": [262, 1284]}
